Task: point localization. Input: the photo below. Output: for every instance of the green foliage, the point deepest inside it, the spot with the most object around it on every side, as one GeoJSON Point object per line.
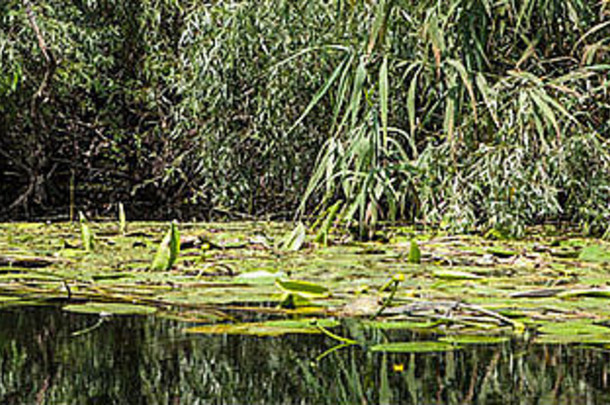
{"type": "Point", "coordinates": [168, 250]}
{"type": "Point", "coordinates": [494, 123]}
{"type": "Point", "coordinates": [473, 114]}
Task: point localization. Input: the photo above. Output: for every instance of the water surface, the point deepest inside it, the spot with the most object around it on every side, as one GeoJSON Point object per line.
{"type": "Point", "coordinates": [148, 360]}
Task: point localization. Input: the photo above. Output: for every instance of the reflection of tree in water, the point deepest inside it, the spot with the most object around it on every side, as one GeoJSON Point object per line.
{"type": "Point", "coordinates": [145, 360]}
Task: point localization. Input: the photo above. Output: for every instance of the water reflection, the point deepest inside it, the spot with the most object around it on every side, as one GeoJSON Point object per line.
{"type": "Point", "coordinates": [131, 360]}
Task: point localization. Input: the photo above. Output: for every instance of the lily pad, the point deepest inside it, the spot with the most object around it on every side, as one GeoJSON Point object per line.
{"type": "Point", "coordinates": [455, 275]}
{"type": "Point", "coordinates": [572, 328]}
{"type": "Point", "coordinates": [110, 309]}
{"type": "Point", "coordinates": [591, 292]}
{"type": "Point", "coordinates": [566, 252]}
{"type": "Point", "coordinates": [499, 252]}
{"type": "Point", "coordinates": [474, 339]}
{"type": "Point", "coordinates": [595, 254]}
{"type": "Point", "coordinates": [414, 347]}
{"type": "Point", "coordinates": [400, 325]}
{"type": "Point", "coordinates": [302, 287]}
{"type": "Point", "coordinates": [260, 277]}
{"type": "Point", "coordinates": [271, 328]}
{"type": "Point", "coordinates": [573, 339]}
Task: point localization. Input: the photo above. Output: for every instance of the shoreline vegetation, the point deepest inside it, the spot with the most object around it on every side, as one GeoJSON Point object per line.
{"type": "Point", "coordinates": [473, 115]}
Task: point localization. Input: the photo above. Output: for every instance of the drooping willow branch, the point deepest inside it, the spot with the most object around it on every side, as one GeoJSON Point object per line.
{"type": "Point", "coordinates": [46, 53]}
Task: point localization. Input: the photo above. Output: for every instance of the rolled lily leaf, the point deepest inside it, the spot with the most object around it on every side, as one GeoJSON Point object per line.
{"type": "Point", "coordinates": [414, 253]}
{"type": "Point", "coordinates": [168, 250]}
{"type": "Point", "coordinates": [296, 239]}
{"type": "Point", "coordinates": [86, 233]}
{"type": "Point", "coordinates": [122, 219]}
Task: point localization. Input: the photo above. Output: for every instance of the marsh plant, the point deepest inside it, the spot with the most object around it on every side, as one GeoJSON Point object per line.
{"type": "Point", "coordinates": [465, 113]}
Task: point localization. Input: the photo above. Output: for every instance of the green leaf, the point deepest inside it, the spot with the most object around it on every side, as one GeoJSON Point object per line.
{"type": "Point", "coordinates": [174, 245]}
{"type": "Point", "coordinates": [302, 287]}
{"type": "Point", "coordinates": [110, 309]}
{"type": "Point", "coordinates": [572, 328]}
{"type": "Point", "coordinates": [411, 96]}
{"type": "Point", "coordinates": [318, 96]}
{"type": "Point", "coordinates": [296, 239]}
{"type": "Point", "coordinates": [357, 91]}
{"type": "Point", "coordinates": [260, 277]}
{"type": "Point", "coordinates": [455, 275]}
{"type": "Point", "coordinates": [501, 252]}
{"type": "Point", "coordinates": [414, 253]}
{"type": "Point", "coordinates": [293, 301]}
{"type": "Point", "coordinates": [595, 254]}
{"type": "Point", "coordinates": [474, 339]}
{"type": "Point", "coordinates": [591, 292]}
{"type": "Point", "coordinates": [87, 236]}
{"type": "Point", "coordinates": [270, 328]}
{"type": "Point", "coordinates": [168, 250]}
{"type": "Point", "coordinates": [322, 235]}
{"type": "Point", "coordinates": [383, 95]}
{"type": "Point", "coordinates": [414, 347]}
{"type": "Point", "coordinates": [122, 219]}
{"type": "Point", "coordinates": [400, 325]}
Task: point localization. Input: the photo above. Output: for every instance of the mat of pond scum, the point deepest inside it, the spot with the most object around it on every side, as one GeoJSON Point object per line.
{"type": "Point", "coordinates": [235, 279]}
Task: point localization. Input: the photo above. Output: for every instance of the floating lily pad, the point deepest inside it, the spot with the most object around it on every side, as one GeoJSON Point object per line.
{"type": "Point", "coordinates": [571, 328]}
{"type": "Point", "coordinates": [293, 301]}
{"type": "Point", "coordinates": [500, 252]}
{"type": "Point", "coordinates": [400, 325]}
{"type": "Point", "coordinates": [570, 339]}
{"type": "Point", "coordinates": [591, 292]}
{"type": "Point", "coordinates": [110, 308]}
{"type": "Point", "coordinates": [260, 277]}
{"type": "Point", "coordinates": [8, 298]}
{"type": "Point", "coordinates": [566, 252]}
{"type": "Point", "coordinates": [455, 275]}
{"type": "Point", "coordinates": [474, 339]}
{"type": "Point", "coordinates": [302, 287]}
{"type": "Point", "coordinates": [271, 328]}
{"type": "Point", "coordinates": [414, 347]}
{"type": "Point", "coordinates": [595, 254]}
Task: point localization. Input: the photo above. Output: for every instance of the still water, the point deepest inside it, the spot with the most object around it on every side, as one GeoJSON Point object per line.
{"type": "Point", "coordinates": [147, 360]}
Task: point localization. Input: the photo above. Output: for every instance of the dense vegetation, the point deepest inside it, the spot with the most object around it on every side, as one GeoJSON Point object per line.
{"type": "Point", "coordinates": [469, 113]}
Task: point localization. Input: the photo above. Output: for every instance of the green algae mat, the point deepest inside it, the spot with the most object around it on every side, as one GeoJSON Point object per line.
{"type": "Point", "coordinates": [270, 279]}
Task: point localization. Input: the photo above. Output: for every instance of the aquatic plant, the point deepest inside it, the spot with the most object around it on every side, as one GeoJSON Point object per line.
{"type": "Point", "coordinates": [122, 219]}
{"type": "Point", "coordinates": [168, 249]}
{"type": "Point", "coordinates": [87, 237]}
